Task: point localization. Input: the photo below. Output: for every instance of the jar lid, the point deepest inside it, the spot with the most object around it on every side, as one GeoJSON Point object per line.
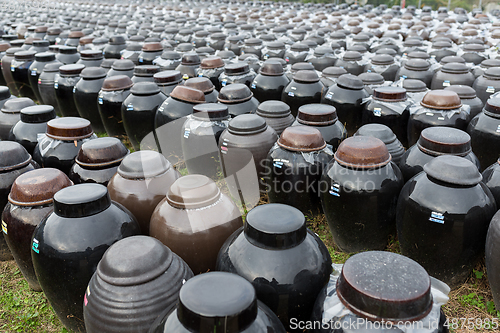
{"type": "Point", "coordinates": [85, 40]}
{"type": "Point", "coordinates": [171, 76]}
{"type": "Point", "coordinates": [24, 55]}
{"type": "Point", "coordinates": [492, 73]}
{"type": "Point", "coordinates": [453, 170]}
{"type": "Point", "coordinates": [211, 111]}
{"type": "Point", "coordinates": [13, 156]}
{"type": "Point", "coordinates": [53, 67]}
{"type": "Point", "coordinates": [412, 42]}
{"type": "Point", "coordinates": [145, 88]}
{"type": "Point", "coordinates": [67, 49]}
{"type": "Point", "coordinates": [238, 68]}
{"type": "Point", "coordinates": [117, 82]}
{"type": "Point", "coordinates": [93, 73]}
{"type": "Point", "coordinates": [4, 47]}
{"type": "Point", "coordinates": [134, 260]}
{"type": "Point", "coordinates": [440, 140]}
{"type": "Point", "coordinates": [302, 66]}
{"type": "Point", "coordinates": [91, 54]}
{"type": "Point", "coordinates": [123, 65]}
{"type": "Point", "coordinates": [352, 56]}
{"type": "Point", "coordinates": [388, 51]}
{"type": "Point", "coordinates": [101, 152]}
{"type": "Point", "coordinates": [271, 68]}
{"type": "Point", "coordinates": [201, 83]}
{"type": "Point", "coordinates": [143, 164]}
{"type": "Point", "coordinates": [362, 152]}
{"type": "Point", "coordinates": [69, 129]}
{"type": "Point", "coordinates": [414, 85]}
{"type": "Point", "coordinates": [474, 47]}
{"type": "Point", "coordinates": [350, 81]}
{"type": "Point", "coordinates": [455, 68]}
{"type": "Point", "coordinates": [116, 40]}
{"type": "Point", "coordinates": [75, 34]}
{"type": "Point", "coordinates": [37, 187]}
{"type": "Point", "coordinates": [273, 109]}
{"type": "Point", "coordinates": [356, 48]}
{"type": "Point", "coordinates": [276, 45]}
{"type": "Point", "coordinates": [389, 94]}
{"type": "Point", "coordinates": [385, 286]}
{"type": "Point", "coordinates": [306, 76]}
{"type": "Point", "coordinates": [146, 70]}
{"type": "Point", "coordinates": [152, 47]}
{"type": "Point", "coordinates": [190, 59]}
{"type": "Point", "coordinates": [247, 124]}
{"type": "Point", "coordinates": [451, 59]}
{"type": "Point", "coordinates": [382, 59]}
{"type": "Point", "coordinates": [37, 114]}
{"type": "Point", "coordinates": [226, 54]}
{"type": "Point", "coordinates": [81, 200]}
{"type": "Point", "coordinates": [489, 63]}
{"type": "Point", "coordinates": [371, 78]}
{"type": "Point", "coordinates": [441, 44]}
{"type": "Point", "coordinates": [464, 92]}
{"type": "Point", "coordinates": [71, 69]}
{"type": "Point", "coordinates": [302, 139]}
{"type": "Point", "coordinates": [171, 55]}
{"type": "Point", "coordinates": [193, 191]}
{"type": "Point", "coordinates": [188, 94]}
{"type": "Point", "coordinates": [378, 131]}
{"type": "Point", "coordinates": [275, 226]}
{"type": "Point", "coordinates": [419, 55]}
{"type": "Point", "coordinates": [317, 114]}
{"type": "Point", "coordinates": [11, 51]}
{"type": "Point", "coordinates": [45, 57]}
{"type": "Point", "coordinates": [333, 72]}
{"type": "Point", "coordinates": [217, 301]}
{"type": "Point", "coordinates": [15, 105]}
{"type": "Point", "coordinates": [299, 47]}
{"type": "Point", "coordinates": [234, 93]}
{"type": "Point", "coordinates": [441, 100]}
{"type": "Point", "coordinates": [4, 93]}
{"type": "Point", "coordinates": [211, 63]}
{"type": "Point", "coordinates": [417, 64]}
{"type": "Point", "coordinates": [492, 107]}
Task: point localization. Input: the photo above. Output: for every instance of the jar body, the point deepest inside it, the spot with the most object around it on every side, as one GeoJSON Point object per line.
{"type": "Point", "coordinates": [387, 71]}
{"type": "Point", "coordinates": [20, 74]}
{"type": "Point", "coordinates": [246, 78]}
{"type": "Point", "coordinates": [394, 115]}
{"type": "Point", "coordinates": [424, 76]}
{"type": "Point", "coordinates": [491, 178]}
{"type": "Point", "coordinates": [279, 123]}
{"type": "Point", "coordinates": [34, 72]}
{"type": "Point", "coordinates": [475, 104]}
{"type": "Point", "coordinates": [351, 67]}
{"type": "Point", "coordinates": [68, 59]}
{"type": "Point", "coordinates": [109, 104]}
{"type": "Point", "coordinates": [212, 74]}
{"type": "Point", "coordinates": [85, 95]}
{"type": "Point", "coordinates": [248, 106]}
{"type": "Point", "coordinates": [297, 94]}
{"type": "Point", "coordinates": [7, 74]}
{"type": "Point", "coordinates": [485, 139]}
{"type": "Point", "coordinates": [484, 88]}
{"type": "Point", "coordinates": [47, 91]}
{"type": "Point", "coordinates": [322, 62]}
{"type": "Point", "coordinates": [7, 122]}
{"type": "Point", "coordinates": [63, 87]}
{"type": "Point", "coordinates": [26, 134]}
{"type": "Point", "coordinates": [266, 87]}
{"type": "Point", "coordinates": [113, 51]}
{"type": "Point", "coordinates": [441, 80]}
{"type": "Point", "coordinates": [492, 257]}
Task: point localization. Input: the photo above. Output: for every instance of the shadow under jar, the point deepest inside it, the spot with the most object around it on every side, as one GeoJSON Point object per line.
{"type": "Point", "coordinates": [305, 88]}
{"type": "Point", "coordinates": [30, 200]}
{"type": "Point", "coordinates": [362, 175]}
{"type": "Point", "coordinates": [10, 114]}
{"type": "Point", "coordinates": [443, 216]}
{"type": "Point", "coordinates": [270, 82]}
{"type": "Point", "coordinates": [85, 95]}
{"type": "Point", "coordinates": [64, 83]}
{"type": "Point", "coordinates": [20, 72]}
{"type": "Point", "coordinates": [41, 60]}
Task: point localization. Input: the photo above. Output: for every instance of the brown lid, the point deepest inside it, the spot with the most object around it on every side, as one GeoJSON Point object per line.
{"type": "Point", "coordinates": [4, 47]}
{"type": "Point", "coordinates": [190, 59]}
{"type": "Point", "coordinates": [238, 68]}
{"type": "Point", "coordinates": [317, 114]}
{"type": "Point", "coordinates": [172, 76]}
{"type": "Point", "coordinates": [211, 62]}
{"type": "Point", "coordinates": [86, 40]}
{"type": "Point", "coordinates": [76, 34]}
{"type": "Point", "coordinates": [389, 94]}
{"type": "Point", "coordinates": [201, 83]}
{"type": "Point", "coordinates": [41, 29]}
{"type": "Point", "coordinates": [271, 68]}
{"type": "Point", "coordinates": [188, 94]}
{"type": "Point", "coordinates": [101, 152]}
{"type": "Point", "coordinates": [71, 69]}
{"type": "Point", "coordinates": [69, 129]}
{"type": "Point", "coordinates": [37, 187]}
{"type": "Point", "coordinates": [193, 191]}
{"type": "Point", "coordinates": [152, 47]}
{"type": "Point", "coordinates": [301, 138]}
{"type": "Point", "coordinates": [362, 152]}
{"type": "Point", "coordinates": [91, 54]}
{"type": "Point", "coordinates": [441, 100]}
{"type": "Point", "coordinates": [492, 107]}
{"type": "Point", "coordinates": [117, 82]}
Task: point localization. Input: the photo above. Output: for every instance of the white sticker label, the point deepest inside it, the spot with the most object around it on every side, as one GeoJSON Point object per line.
{"type": "Point", "coordinates": [130, 107]}
{"type": "Point", "coordinates": [446, 83]}
{"type": "Point", "coordinates": [33, 73]}
{"type": "Point", "coordinates": [498, 129]}
{"type": "Point", "coordinates": [34, 247]}
{"type": "Point", "coordinates": [186, 133]}
{"type": "Point", "coordinates": [377, 112]}
{"type": "Point", "coordinates": [437, 217]}
{"type": "Point", "coordinates": [100, 100]}
{"type": "Point", "coordinates": [335, 190]}
{"type": "Point", "coordinates": [4, 227]}
{"type": "Point", "coordinates": [490, 90]}
{"type": "Point", "coordinates": [329, 95]}
{"type": "Point", "coordinates": [430, 114]}
{"type": "Point", "coordinates": [291, 94]}
{"type": "Point", "coordinates": [56, 85]}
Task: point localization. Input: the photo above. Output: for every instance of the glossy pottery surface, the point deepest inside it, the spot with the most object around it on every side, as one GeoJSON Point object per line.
{"type": "Point", "coordinates": [109, 102]}
{"type": "Point", "coordinates": [85, 94]}
{"type": "Point", "coordinates": [64, 82]}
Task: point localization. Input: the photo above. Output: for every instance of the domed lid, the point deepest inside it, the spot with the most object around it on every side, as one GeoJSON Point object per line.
{"type": "Point", "coordinates": [146, 70]}
{"type": "Point", "coordinates": [441, 100]}
{"type": "Point", "coordinates": [492, 107]}
{"type": "Point", "coordinates": [117, 82]}
{"type": "Point", "coordinates": [275, 226]}
{"type": "Point", "coordinates": [53, 67]}
{"type": "Point", "coordinates": [171, 55]}
{"type": "Point", "coordinates": [440, 140]}
{"type": "Point", "coordinates": [4, 47]}
{"type": "Point", "coordinates": [235, 93]}
{"type": "Point", "coordinates": [441, 44]}
{"type": "Point", "coordinates": [362, 152]}
{"type": "Point", "coordinates": [388, 51]}
{"type": "Point", "coordinates": [273, 109]}
{"type": "Point", "coordinates": [134, 260]}
{"type": "Point", "coordinates": [190, 59]}
{"type": "Point", "coordinates": [37, 187]}
{"type": "Point", "coordinates": [211, 62]}
{"type": "Point", "coordinates": [452, 59]}
{"type": "Point", "coordinates": [37, 114]}
{"type": "Point", "coordinates": [299, 47]}
{"type": "Point", "coordinates": [382, 59]}
{"type": "Point", "coordinates": [474, 47]}
{"type": "Point", "coordinates": [333, 72]}
{"type": "Point", "coordinates": [389, 94]}
{"type": "Point", "coordinates": [24, 55]}
{"type": "Point", "coordinates": [217, 301]}
{"type": "Point", "coordinates": [302, 139]}
{"type": "Point", "coordinates": [201, 83]}
{"type": "Point", "coordinates": [352, 56]}
{"type": "Point", "coordinates": [72, 69]}
{"type": "Point", "coordinates": [306, 76]}
{"type": "Point", "coordinates": [379, 285]}
{"type": "Point", "coordinates": [152, 47]}
{"type": "Point", "coordinates": [350, 81]}
{"type": "Point", "coordinates": [143, 164]}
{"type": "Point", "coordinates": [464, 92]}
{"type": "Point", "coordinates": [414, 85]}
{"type": "Point", "coordinates": [238, 68]}
{"type": "Point", "coordinates": [91, 54]}
{"type": "Point", "coordinates": [69, 129]}
{"type": "Point", "coordinates": [247, 124]}
{"type": "Point", "coordinates": [11, 51]}
{"type": "Point", "coordinates": [171, 76]}
{"type": "Point", "coordinates": [419, 55]}
{"type": "Point", "coordinates": [81, 200]}
{"type": "Point", "coordinates": [453, 170]}
{"type": "Point", "coordinates": [75, 34]}
{"type": "Point", "coordinates": [271, 68]}
{"type": "Point", "coordinates": [211, 111]}
{"type": "Point", "coordinates": [371, 78]}
{"type": "Point", "coordinates": [101, 152]}
{"type": "Point", "coordinates": [193, 191]}
{"type": "Point", "coordinates": [302, 66]}
{"type": "Point", "coordinates": [492, 73]}
{"type": "Point", "coordinates": [226, 54]}
{"type": "Point", "coordinates": [417, 64]}
{"type": "Point", "coordinates": [93, 73]}
{"type": "Point", "coordinates": [123, 65]}
{"type": "Point", "coordinates": [116, 40]}
{"type": "Point", "coordinates": [4, 93]}
{"type": "Point", "coordinates": [67, 49]}
{"type": "Point", "coordinates": [145, 89]}
{"type": "Point", "coordinates": [188, 94]}
{"type": "Point", "coordinates": [15, 105]}
{"type": "Point", "coordinates": [317, 114]}
{"type": "Point", "coordinates": [489, 63]}
{"type": "Point", "coordinates": [455, 68]}
{"type": "Point", "coordinates": [378, 131]}
{"type": "Point", "coordinates": [356, 48]}
{"type": "Point", "coordinates": [45, 56]}
{"type": "Point", "coordinates": [276, 45]}
{"type": "Point", "coordinates": [13, 156]}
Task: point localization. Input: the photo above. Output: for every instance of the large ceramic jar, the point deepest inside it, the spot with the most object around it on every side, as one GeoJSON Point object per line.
{"type": "Point", "coordinates": [41, 60]}
{"type": "Point", "coordinates": [200, 136]}
{"type": "Point", "coordinates": [322, 57]}
{"type": "Point", "coordinates": [450, 74]}
{"type": "Point", "coordinates": [4, 46]}
{"type": "Point", "coordinates": [212, 68]}
{"type": "Point", "coordinates": [443, 216]}
{"type": "Point", "coordinates": [218, 301]}
{"type": "Point", "coordinates": [139, 110]}
{"type": "Point", "coordinates": [30, 200]}
{"type": "Point", "coordinates": [7, 74]}
{"type": "Point", "coordinates": [492, 253]}
{"type": "Point", "coordinates": [135, 281]}
{"type": "Point", "coordinates": [436, 141]}
{"type": "Point", "coordinates": [189, 65]}
{"type": "Point", "coordinates": [486, 84]}
{"type": "Point", "coordinates": [62, 140]}
{"type": "Point", "coordinates": [68, 55]}
{"type": "Point", "coordinates": [115, 45]}
{"type": "Point", "coordinates": [437, 108]}
{"type": "Point", "coordinates": [205, 85]}
{"type": "Point", "coordinates": [69, 243]}
{"type": "Point", "coordinates": [64, 82]}
{"type": "Point", "coordinates": [238, 98]}
{"type": "Point", "coordinates": [114, 91]}
{"type": "Point", "coordinates": [194, 221]}
{"type": "Point", "coordinates": [362, 175]}
{"type": "Point", "coordinates": [297, 53]}
{"type": "Point", "coordinates": [141, 182]}
{"type": "Point", "coordinates": [468, 97]}
{"type": "Point", "coordinates": [277, 114]}
{"type": "Point", "coordinates": [473, 53]}
{"type": "Point", "coordinates": [384, 65]}
{"type": "Point", "coordinates": [305, 88]}
{"type": "Point", "coordinates": [145, 73]}
{"type": "Point", "coordinates": [90, 58]}
{"type": "Point", "coordinates": [5, 95]}
{"type": "Point", "coordinates": [168, 61]}
{"type": "Point", "coordinates": [243, 149]}
{"type": "Point", "coordinates": [167, 80]}
{"type": "Point", "coordinates": [122, 67]}
{"type": "Point", "coordinates": [97, 161]}
{"type": "Point", "coordinates": [275, 235]}
{"type": "Point", "coordinates": [132, 51]}
{"type": "Point", "coordinates": [150, 51]}
{"type": "Point", "coordinates": [352, 62]}
{"type": "Point", "coordinates": [348, 96]}
{"type": "Point", "coordinates": [387, 136]}
{"type": "Point", "coordinates": [270, 82]}
{"type": "Point", "coordinates": [217, 40]}
{"type": "Point", "coordinates": [415, 90]}
{"type": "Point", "coordinates": [441, 49]}
{"type": "Point", "coordinates": [20, 72]}
{"type": "Point", "coordinates": [238, 72]}
{"type": "Point", "coordinates": [485, 64]}
{"type": "Point", "coordinates": [85, 94]}
{"type": "Point", "coordinates": [371, 81]}
{"type": "Point", "coordinates": [330, 75]}
{"type": "Point", "coordinates": [10, 114]}
{"type": "Point", "coordinates": [416, 69]}
{"type": "Point", "coordinates": [46, 85]}
{"type": "Point", "coordinates": [275, 49]}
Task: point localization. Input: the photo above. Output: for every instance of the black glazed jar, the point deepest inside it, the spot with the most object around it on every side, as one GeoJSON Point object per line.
{"type": "Point", "coordinates": [238, 98]}
{"type": "Point", "coordinates": [492, 252]}
{"type": "Point", "coordinates": [167, 80]}
{"type": "Point", "coordinates": [115, 45]}
{"type": "Point", "coordinates": [443, 216]}
{"type": "Point", "coordinates": [305, 88]}
{"type": "Point", "coordinates": [189, 65]}
{"type": "Point", "coordinates": [384, 65]}
{"type": "Point", "coordinates": [46, 85]}
{"type": "Point", "coordinates": [205, 85]}
{"type": "Point", "coordinates": [277, 114]}
{"type": "Point", "coordinates": [416, 69]}
{"type": "Point", "coordinates": [90, 58]}
{"type": "Point", "coordinates": [20, 72]}
{"type": "Point", "coordinates": [491, 178]}
{"type": "Point", "coordinates": [453, 73]}
{"type": "Point", "coordinates": [362, 175]}
{"type": "Point", "coordinates": [64, 82]}
{"type": "Point", "coordinates": [387, 136]}
{"type": "Point", "coordinates": [239, 72]}
{"type": "Point", "coordinates": [487, 84]}
{"type": "Point", "coordinates": [7, 74]}
{"type": "Point", "coordinates": [69, 243]}
{"type": "Point", "coordinates": [270, 82]}
{"type": "Point", "coordinates": [212, 68]}
{"type": "Point", "coordinates": [122, 67]}
{"type": "Point", "coordinates": [114, 91]}
{"type": "Point", "coordinates": [67, 55]}
{"type": "Point", "coordinates": [468, 97]}
{"type": "Point", "coordinates": [330, 75]}
{"type": "Point", "coordinates": [275, 235]}
{"type": "Point", "coordinates": [10, 114]}
{"type": "Point", "coordinates": [145, 73]}
{"type": "Point", "coordinates": [168, 61]}
{"type": "Point", "coordinates": [352, 62]}
{"type": "Point", "coordinates": [42, 59]}
{"type": "Point", "coordinates": [150, 51]}
{"type": "Point", "coordinates": [5, 95]}
{"type": "Point", "coordinates": [85, 95]}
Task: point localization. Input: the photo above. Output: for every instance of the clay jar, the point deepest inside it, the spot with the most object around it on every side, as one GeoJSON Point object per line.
{"type": "Point", "coordinates": [200, 136]}
{"type": "Point", "coordinates": [30, 200]}
{"type": "Point", "coordinates": [20, 72]}
{"type": "Point", "coordinates": [90, 58]}
{"type": "Point", "coordinates": [297, 53]}
{"type": "Point", "coordinates": [450, 74]}
{"type": "Point", "coordinates": [305, 88]}
{"type": "Point", "coordinates": [144, 73]}
{"type": "Point", "coordinates": [68, 55]}
{"type": "Point", "coordinates": [167, 81]}
{"type": "Point", "coordinates": [468, 97]}
{"type": "Point", "coordinates": [68, 244]}
{"type": "Point", "coordinates": [275, 235]}
{"type": "Point", "coordinates": [212, 68]}
{"type": "Point", "coordinates": [61, 142]}
{"type": "Point", "coordinates": [243, 149]}
{"type": "Point", "coordinates": [351, 62]}
{"type": "Point", "coordinates": [437, 108]}
{"type": "Point", "coordinates": [238, 72]}
{"type": "Point", "coordinates": [416, 69]}
{"type": "Point", "coordinates": [10, 114]}
{"type": "Point", "coordinates": [41, 60]}
{"type": "Point", "coordinates": [388, 137]}
{"type": "Point", "coordinates": [238, 98]}
{"type": "Point", "coordinates": [7, 74]}
{"type": "Point", "coordinates": [487, 84]}
{"type": "Point", "coordinates": [322, 57]}
{"type": "Point", "coordinates": [277, 114]}
{"type": "Point", "coordinates": [169, 60]}
{"type": "Point", "coordinates": [85, 94]}
{"type": "Point", "coordinates": [139, 109]}
{"type": "Point", "coordinates": [330, 75]}
{"type": "Point", "coordinates": [122, 67]}
{"type": "Point", "coordinates": [443, 216]}
{"type": "Point", "coordinates": [347, 96]}
{"type": "Point", "coordinates": [362, 175]}
{"type": "Point", "coordinates": [415, 90]}
{"type": "Point", "coordinates": [4, 46]}
{"type": "Point", "coordinates": [270, 82]}
{"type": "Point", "coordinates": [384, 65]}
{"type": "Point", "coordinates": [141, 182]}
{"type": "Point", "coordinates": [5, 95]}
{"type": "Point", "coordinates": [150, 51]}
{"type": "Point", "coordinates": [492, 252]}
{"type": "Point", "coordinates": [114, 91]}
{"type": "Point", "coordinates": [189, 65]}
{"type": "Point", "coordinates": [115, 45]}
{"type": "Point", "coordinates": [136, 279]}
{"type": "Point", "coordinates": [33, 122]}
{"type": "Point", "coordinates": [436, 141]}
{"type": "Point", "coordinates": [194, 221]}
{"type": "Point", "coordinates": [64, 82]}
{"type": "Point", "coordinates": [205, 85]}
{"type": "Point", "coordinates": [46, 85]}
{"type": "Point", "coordinates": [98, 160]}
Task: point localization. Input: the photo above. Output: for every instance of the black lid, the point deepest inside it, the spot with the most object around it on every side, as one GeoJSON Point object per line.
{"type": "Point", "coordinates": [238, 68]}
{"type": "Point", "coordinates": [15, 105]}
{"type": "Point", "coordinates": [37, 114]}
{"type": "Point", "coordinates": [492, 73]}
{"type": "Point", "coordinates": [378, 131]}
{"type": "Point", "coordinates": [419, 55]}
{"type": "Point", "coordinates": [450, 59]}
{"type": "Point", "coordinates": [4, 93]}
{"type": "Point", "coordinates": [356, 48]}
{"type": "Point", "coordinates": [116, 40]}
{"type": "Point", "coordinates": [143, 164]}
{"type": "Point", "coordinates": [101, 152]}
{"type": "Point", "coordinates": [172, 76]}
{"type": "Point", "coordinates": [93, 73]}
{"type": "Point", "coordinates": [306, 76]}
{"type": "Point", "coordinates": [81, 200]}
{"type": "Point", "coordinates": [71, 69]}
{"type": "Point", "coordinates": [317, 114]}
{"type": "Point", "coordinates": [352, 56]}
{"type": "Point", "coordinates": [371, 78]}
{"type": "Point", "coordinates": [211, 111]}
{"type": "Point", "coordinates": [273, 109]}
{"type": "Point", "coordinates": [123, 65]}
{"type": "Point", "coordinates": [414, 85]}
{"type": "Point", "coordinates": [24, 55]}
{"type": "Point", "coordinates": [388, 51]}
{"type": "Point", "coordinates": [382, 59]}
{"type": "Point", "coordinates": [13, 156]}
{"type": "Point", "coordinates": [492, 107]}
{"type": "Point", "coordinates": [440, 140]}
{"type": "Point", "coordinates": [302, 66]}
{"type": "Point", "coordinates": [217, 301]}
{"type": "Point", "coordinates": [333, 72]}
{"type": "Point", "coordinates": [45, 56]}
{"type": "Point", "coordinates": [11, 51]}
{"type": "Point", "coordinates": [171, 55]}
{"type": "Point", "coordinates": [235, 93]}
{"type": "Point", "coordinates": [226, 54]}
{"type": "Point", "coordinates": [417, 64]}
{"type": "Point", "coordinates": [455, 68]}
{"type": "Point", "coordinates": [276, 45]}
{"type": "Point", "coordinates": [247, 124]}
{"type": "Point", "coordinates": [453, 170]}
{"type": "Point", "coordinates": [489, 63]}
{"type": "Point", "coordinates": [350, 81]}
{"type": "Point", "coordinates": [145, 89]}
{"type": "Point", "coordinates": [464, 92]}
{"type": "Point", "coordinates": [107, 63]}
{"type": "Point", "coordinates": [67, 49]}
{"type": "Point", "coordinates": [299, 47]}
{"type": "Point", "coordinates": [271, 68]}
{"type": "Point", "coordinates": [146, 70]}
{"type": "Point", "coordinates": [190, 59]}
{"type": "Point", "coordinates": [91, 54]}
